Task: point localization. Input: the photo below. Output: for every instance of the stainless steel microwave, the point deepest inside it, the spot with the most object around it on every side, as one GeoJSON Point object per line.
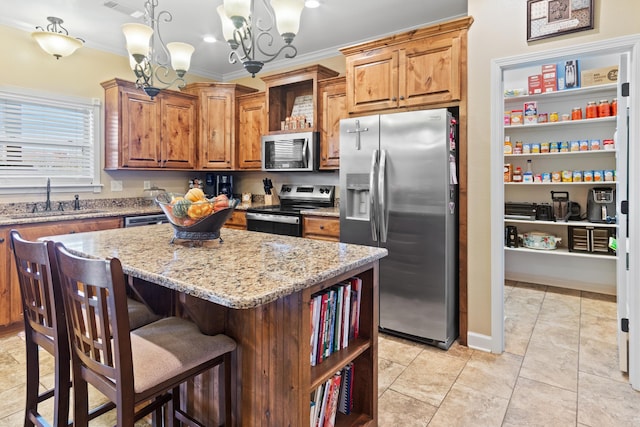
{"type": "Point", "coordinates": [290, 152]}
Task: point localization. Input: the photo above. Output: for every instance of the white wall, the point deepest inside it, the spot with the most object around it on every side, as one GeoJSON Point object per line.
{"type": "Point", "coordinates": [499, 30]}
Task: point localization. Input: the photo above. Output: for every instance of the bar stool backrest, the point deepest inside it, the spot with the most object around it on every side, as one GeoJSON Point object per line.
{"type": "Point", "coordinates": [94, 294]}
{"type": "Point", "coordinates": [44, 320]}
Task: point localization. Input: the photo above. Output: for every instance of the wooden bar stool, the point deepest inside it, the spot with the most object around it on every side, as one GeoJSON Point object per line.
{"type": "Point", "coordinates": [131, 368]}
{"type": "Point", "coordinates": [45, 326]}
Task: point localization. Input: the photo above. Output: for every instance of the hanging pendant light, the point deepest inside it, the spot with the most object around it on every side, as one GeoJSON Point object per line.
{"type": "Point", "coordinates": [152, 67]}
{"type": "Point", "coordinates": [55, 39]}
{"type": "Point", "coordinates": [249, 39]}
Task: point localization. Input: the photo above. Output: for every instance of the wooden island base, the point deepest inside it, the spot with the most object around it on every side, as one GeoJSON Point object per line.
{"type": "Point", "coordinates": [274, 377]}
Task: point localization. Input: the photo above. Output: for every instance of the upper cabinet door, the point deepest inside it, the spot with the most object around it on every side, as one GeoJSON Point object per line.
{"type": "Point", "coordinates": [333, 108]}
{"type": "Point", "coordinates": [216, 149]}
{"type": "Point", "coordinates": [178, 131]}
{"type": "Point", "coordinates": [429, 71]}
{"type": "Point", "coordinates": [372, 81]}
{"type": "Point", "coordinates": [252, 124]}
{"type": "Point", "coordinates": [140, 144]}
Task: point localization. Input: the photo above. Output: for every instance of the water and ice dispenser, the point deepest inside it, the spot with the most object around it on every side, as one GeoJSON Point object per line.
{"type": "Point", "coordinates": [358, 196]}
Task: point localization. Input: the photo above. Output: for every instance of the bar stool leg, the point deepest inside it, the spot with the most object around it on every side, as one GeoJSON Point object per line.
{"type": "Point", "coordinates": [62, 387]}
{"type": "Point", "coordinates": [33, 379]}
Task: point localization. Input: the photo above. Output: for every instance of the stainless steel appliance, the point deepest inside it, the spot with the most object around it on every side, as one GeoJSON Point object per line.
{"type": "Point", "coordinates": [398, 190]}
{"type": "Point", "coordinates": [290, 152]}
{"type": "Point", "coordinates": [286, 218]}
{"type": "Point", "coordinates": [138, 220]}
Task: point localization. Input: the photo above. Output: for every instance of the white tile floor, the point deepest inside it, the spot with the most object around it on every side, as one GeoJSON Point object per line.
{"type": "Point", "coordinates": [559, 369]}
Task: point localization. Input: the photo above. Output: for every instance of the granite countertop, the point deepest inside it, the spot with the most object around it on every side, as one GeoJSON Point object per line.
{"type": "Point", "coordinates": [246, 270]}
{"type": "Point", "coordinates": [17, 218]}
{"type": "Point", "coordinates": [328, 212]}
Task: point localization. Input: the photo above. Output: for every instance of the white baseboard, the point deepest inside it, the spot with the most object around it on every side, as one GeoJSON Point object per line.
{"type": "Point", "coordinates": [479, 342]}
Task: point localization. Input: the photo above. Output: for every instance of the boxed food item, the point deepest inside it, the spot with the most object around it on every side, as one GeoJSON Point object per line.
{"type": "Point", "coordinates": [599, 76]}
{"type": "Point", "coordinates": [549, 78]}
{"type": "Point", "coordinates": [530, 113]}
{"type": "Point", "coordinates": [535, 84]}
{"type": "Point", "coordinates": [568, 74]}
{"type": "Point", "coordinates": [516, 117]}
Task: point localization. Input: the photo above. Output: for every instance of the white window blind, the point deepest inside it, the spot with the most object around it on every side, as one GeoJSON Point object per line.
{"type": "Point", "coordinates": [43, 137]}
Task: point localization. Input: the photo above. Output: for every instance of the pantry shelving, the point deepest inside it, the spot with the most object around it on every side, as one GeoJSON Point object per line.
{"type": "Point", "coordinates": [558, 151]}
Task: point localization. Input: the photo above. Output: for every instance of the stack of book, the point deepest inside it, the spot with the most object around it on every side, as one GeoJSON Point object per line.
{"type": "Point", "coordinates": [335, 318]}
{"type": "Point", "coordinates": [335, 395]}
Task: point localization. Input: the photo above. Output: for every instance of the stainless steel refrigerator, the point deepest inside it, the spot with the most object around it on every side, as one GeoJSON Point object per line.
{"type": "Point", "coordinates": [398, 190]}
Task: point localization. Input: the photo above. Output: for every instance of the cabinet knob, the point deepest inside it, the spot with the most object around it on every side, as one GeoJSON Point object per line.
{"type": "Point", "coordinates": [394, 98]}
{"type": "Point", "coordinates": [401, 98]}
{"type": "Point", "coordinates": [1, 239]}
{"type": "Point", "coordinates": [322, 227]}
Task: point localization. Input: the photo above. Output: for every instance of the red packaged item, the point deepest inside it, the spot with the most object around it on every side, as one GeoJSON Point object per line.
{"type": "Point", "coordinates": [535, 84]}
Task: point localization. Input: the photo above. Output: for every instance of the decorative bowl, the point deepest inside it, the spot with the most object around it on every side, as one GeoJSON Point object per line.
{"type": "Point", "coordinates": [540, 240]}
{"type": "Point", "coordinates": [199, 220]}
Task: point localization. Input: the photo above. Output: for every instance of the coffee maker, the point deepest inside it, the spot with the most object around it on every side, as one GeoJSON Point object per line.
{"type": "Point", "coordinates": [216, 184]}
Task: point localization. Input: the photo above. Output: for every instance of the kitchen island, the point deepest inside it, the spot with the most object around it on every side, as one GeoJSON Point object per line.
{"type": "Point", "coordinates": [256, 288]}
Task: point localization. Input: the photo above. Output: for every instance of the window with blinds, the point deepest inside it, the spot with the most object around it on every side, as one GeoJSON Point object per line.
{"type": "Point", "coordinates": [44, 138]}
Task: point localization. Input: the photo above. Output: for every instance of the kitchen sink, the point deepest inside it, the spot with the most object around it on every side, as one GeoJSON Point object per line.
{"type": "Point", "coordinates": [47, 214]}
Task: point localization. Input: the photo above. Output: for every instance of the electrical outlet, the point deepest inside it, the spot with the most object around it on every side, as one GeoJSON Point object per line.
{"type": "Point", "coordinates": [147, 185]}
{"type": "Point", "coordinates": [116, 185]}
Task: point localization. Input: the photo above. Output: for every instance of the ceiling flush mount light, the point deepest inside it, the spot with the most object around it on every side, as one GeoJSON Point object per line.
{"type": "Point", "coordinates": [248, 37]}
{"type": "Point", "coordinates": [55, 39]}
{"type": "Point", "coordinates": [153, 63]}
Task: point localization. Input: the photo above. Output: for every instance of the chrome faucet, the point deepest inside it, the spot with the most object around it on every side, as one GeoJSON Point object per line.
{"type": "Point", "coordinates": [47, 204]}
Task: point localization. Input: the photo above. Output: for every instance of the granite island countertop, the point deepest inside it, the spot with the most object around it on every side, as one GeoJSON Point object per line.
{"type": "Point", "coordinates": [246, 270]}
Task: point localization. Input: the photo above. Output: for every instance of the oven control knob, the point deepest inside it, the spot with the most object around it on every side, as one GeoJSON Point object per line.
{"type": "Point", "coordinates": [321, 190]}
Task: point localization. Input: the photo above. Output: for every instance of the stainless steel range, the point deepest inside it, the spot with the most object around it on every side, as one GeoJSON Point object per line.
{"type": "Point", "coordinates": [286, 218]}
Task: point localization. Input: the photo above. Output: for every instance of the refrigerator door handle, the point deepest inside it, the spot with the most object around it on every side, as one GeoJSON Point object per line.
{"type": "Point", "coordinates": [383, 212]}
{"type": "Point", "coordinates": [373, 209]}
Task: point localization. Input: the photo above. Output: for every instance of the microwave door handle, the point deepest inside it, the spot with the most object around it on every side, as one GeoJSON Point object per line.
{"type": "Point", "coordinates": [373, 209]}
{"type": "Point", "coordinates": [383, 211]}
{"type": "Point", "coordinates": [305, 152]}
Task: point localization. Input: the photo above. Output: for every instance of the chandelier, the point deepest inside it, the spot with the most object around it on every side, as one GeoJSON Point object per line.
{"type": "Point", "coordinates": [151, 60]}
{"type": "Point", "coordinates": [249, 37]}
{"type": "Point", "coordinates": [55, 39]}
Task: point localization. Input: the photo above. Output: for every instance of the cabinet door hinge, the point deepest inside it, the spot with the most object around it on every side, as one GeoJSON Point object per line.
{"type": "Point", "coordinates": [624, 325]}
{"type": "Point", "coordinates": [625, 89]}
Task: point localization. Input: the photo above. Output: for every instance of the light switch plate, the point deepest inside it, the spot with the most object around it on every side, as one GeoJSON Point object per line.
{"type": "Point", "coordinates": [116, 185]}
{"type": "Point", "coordinates": [147, 185]}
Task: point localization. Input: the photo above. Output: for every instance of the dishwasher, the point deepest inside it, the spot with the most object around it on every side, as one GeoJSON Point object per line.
{"type": "Point", "coordinates": [138, 220]}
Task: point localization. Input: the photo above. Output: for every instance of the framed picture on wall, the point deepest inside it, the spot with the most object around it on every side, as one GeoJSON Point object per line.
{"type": "Point", "coordinates": [551, 18]}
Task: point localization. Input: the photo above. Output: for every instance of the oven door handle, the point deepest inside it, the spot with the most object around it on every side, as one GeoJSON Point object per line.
{"type": "Point", "coordinates": [282, 219]}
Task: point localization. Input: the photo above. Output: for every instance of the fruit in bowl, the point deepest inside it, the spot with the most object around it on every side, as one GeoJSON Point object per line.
{"type": "Point", "coordinates": [193, 216]}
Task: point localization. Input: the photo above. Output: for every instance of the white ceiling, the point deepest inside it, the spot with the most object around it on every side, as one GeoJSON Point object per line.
{"type": "Point", "coordinates": [335, 24]}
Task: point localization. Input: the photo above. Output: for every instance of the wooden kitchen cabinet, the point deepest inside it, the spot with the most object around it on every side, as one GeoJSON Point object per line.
{"type": "Point", "coordinates": [142, 133]}
{"type": "Point", "coordinates": [332, 107]}
{"type": "Point", "coordinates": [238, 220]}
{"type": "Point", "coordinates": [10, 301]}
{"type": "Point", "coordinates": [321, 228]}
{"type": "Point", "coordinates": [216, 148]}
{"type": "Point", "coordinates": [252, 124]}
{"type": "Point", "coordinates": [416, 68]}
{"type": "Point", "coordinates": [283, 89]}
